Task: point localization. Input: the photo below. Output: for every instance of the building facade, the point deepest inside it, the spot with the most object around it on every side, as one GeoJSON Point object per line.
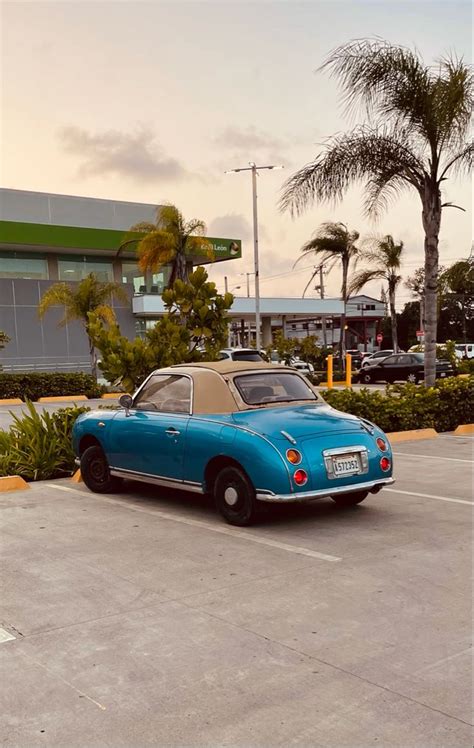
{"type": "Point", "coordinates": [46, 238]}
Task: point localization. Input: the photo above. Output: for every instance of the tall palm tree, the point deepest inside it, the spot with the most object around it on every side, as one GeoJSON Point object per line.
{"type": "Point", "coordinates": [416, 135]}
{"type": "Point", "coordinates": [170, 240]}
{"type": "Point", "coordinates": [383, 257]}
{"type": "Point", "coordinates": [333, 243]}
{"type": "Point", "coordinates": [89, 295]}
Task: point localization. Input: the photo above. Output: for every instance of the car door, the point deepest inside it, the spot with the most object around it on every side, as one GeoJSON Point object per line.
{"type": "Point", "coordinates": [150, 438]}
{"type": "Point", "coordinates": [387, 369]}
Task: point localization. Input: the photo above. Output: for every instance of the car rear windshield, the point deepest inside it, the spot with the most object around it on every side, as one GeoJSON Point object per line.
{"type": "Point", "coordinates": [247, 356]}
{"type": "Point", "coordinates": [269, 387]}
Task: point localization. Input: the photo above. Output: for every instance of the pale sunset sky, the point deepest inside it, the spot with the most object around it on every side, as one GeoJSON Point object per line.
{"type": "Point", "coordinates": [153, 101]}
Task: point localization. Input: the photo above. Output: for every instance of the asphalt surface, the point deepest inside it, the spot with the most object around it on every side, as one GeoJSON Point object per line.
{"type": "Point", "coordinates": [141, 619]}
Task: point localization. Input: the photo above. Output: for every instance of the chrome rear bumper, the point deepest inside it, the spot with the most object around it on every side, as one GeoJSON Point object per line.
{"type": "Point", "coordinates": [371, 485]}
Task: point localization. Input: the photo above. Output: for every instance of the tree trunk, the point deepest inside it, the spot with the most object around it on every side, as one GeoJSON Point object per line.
{"type": "Point", "coordinates": [93, 357]}
{"type": "Point", "coordinates": [393, 318]}
{"type": "Point", "coordinates": [431, 217]}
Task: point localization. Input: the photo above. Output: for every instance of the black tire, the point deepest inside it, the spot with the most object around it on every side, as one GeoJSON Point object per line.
{"type": "Point", "coordinates": [234, 497]}
{"type": "Point", "coordinates": [350, 499]}
{"type": "Point", "coordinates": [365, 377]}
{"type": "Point", "coordinates": [95, 471]}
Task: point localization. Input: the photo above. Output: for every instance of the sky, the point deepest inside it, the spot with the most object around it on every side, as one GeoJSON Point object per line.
{"type": "Point", "coordinates": [154, 101]}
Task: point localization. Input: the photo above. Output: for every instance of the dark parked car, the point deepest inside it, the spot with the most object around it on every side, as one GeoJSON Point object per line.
{"type": "Point", "coordinates": [407, 367]}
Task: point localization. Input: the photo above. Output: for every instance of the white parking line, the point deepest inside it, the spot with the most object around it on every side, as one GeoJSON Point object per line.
{"type": "Point", "coordinates": [223, 530]}
{"type": "Point", "coordinates": [429, 496]}
{"type": "Point", "coordinates": [415, 455]}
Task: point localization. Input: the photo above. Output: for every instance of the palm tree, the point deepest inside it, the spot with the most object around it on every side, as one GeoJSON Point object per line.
{"type": "Point", "coordinates": [384, 257]}
{"type": "Point", "coordinates": [415, 137]}
{"type": "Point", "coordinates": [89, 295]}
{"type": "Point", "coordinates": [333, 243]}
{"type": "Point", "coordinates": [170, 240]}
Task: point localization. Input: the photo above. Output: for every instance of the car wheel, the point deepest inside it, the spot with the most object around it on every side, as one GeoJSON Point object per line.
{"type": "Point", "coordinates": [412, 378]}
{"type": "Point", "coordinates": [366, 377]}
{"type": "Point", "coordinates": [95, 471]}
{"type": "Point", "coordinates": [350, 499]}
{"type": "Point", "coordinates": [234, 496]}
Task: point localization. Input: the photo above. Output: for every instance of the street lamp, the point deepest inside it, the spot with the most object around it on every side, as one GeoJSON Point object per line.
{"type": "Point", "coordinates": [254, 169]}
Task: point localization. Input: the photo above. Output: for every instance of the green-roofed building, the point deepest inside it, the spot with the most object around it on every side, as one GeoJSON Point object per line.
{"type": "Point", "coordinates": [45, 238]}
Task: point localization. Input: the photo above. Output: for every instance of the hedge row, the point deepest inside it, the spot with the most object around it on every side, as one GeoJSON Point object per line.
{"type": "Point", "coordinates": [34, 385]}
{"type": "Point", "coordinates": [408, 406]}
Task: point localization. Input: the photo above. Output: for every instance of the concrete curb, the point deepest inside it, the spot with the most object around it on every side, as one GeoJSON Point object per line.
{"type": "Point", "coordinates": [406, 436]}
{"type": "Point", "coordinates": [111, 395]}
{"type": "Point", "coordinates": [62, 399]}
{"type": "Point", "coordinates": [13, 483]}
{"type": "Point", "coordinates": [11, 401]}
{"type": "Point", "coordinates": [464, 428]}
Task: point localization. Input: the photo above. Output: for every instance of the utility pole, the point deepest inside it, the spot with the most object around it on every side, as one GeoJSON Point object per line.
{"type": "Point", "coordinates": [255, 169]}
{"type": "Point", "coordinates": [226, 285]}
{"type": "Point", "coordinates": [321, 291]}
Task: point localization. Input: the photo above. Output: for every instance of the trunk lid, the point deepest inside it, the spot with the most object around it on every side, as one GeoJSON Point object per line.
{"type": "Point", "coordinates": [299, 421]}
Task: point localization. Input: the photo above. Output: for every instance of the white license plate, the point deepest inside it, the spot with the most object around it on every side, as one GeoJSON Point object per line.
{"type": "Point", "coordinates": [345, 464]}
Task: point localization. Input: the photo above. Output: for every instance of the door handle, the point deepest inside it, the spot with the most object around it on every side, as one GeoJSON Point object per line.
{"type": "Point", "coordinates": [172, 432]}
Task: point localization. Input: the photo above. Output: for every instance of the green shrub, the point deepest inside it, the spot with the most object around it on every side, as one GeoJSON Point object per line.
{"type": "Point", "coordinates": [38, 445]}
{"type": "Point", "coordinates": [32, 386]}
{"type": "Point", "coordinates": [408, 406]}
{"type": "Point", "coordinates": [465, 366]}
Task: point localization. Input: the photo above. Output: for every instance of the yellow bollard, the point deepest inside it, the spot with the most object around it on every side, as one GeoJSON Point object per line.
{"type": "Point", "coordinates": [329, 378]}
{"type": "Point", "coordinates": [348, 370]}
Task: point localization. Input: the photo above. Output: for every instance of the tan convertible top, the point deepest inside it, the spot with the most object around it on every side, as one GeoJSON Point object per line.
{"type": "Point", "coordinates": [213, 389]}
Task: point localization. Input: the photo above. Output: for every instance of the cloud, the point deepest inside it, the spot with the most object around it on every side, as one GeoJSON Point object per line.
{"type": "Point", "coordinates": [248, 138]}
{"type": "Point", "coordinates": [231, 226]}
{"type": "Point", "coordinates": [135, 155]}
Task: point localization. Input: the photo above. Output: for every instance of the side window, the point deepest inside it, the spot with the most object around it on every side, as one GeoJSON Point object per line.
{"type": "Point", "coordinates": [166, 394]}
{"type": "Point", "coordinates": [223, 356]}
{"type": "Point", "coordinates": [391, 360]}
{"type": "Point", "coordinates": [404, 360]}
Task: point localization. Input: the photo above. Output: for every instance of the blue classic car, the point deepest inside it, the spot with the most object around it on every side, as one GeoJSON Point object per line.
{"type": "Point", "coordinates": [242, 432]}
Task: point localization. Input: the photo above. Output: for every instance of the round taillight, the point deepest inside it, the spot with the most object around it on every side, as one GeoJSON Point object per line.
{"type": "Point", "coordinates": [293, 456]}
{"type": "Point", "coordinates": [385, 463]}
{"type": "Point", "coordinates": [381, 444]}
{"type": "Point", "coordinates": [300, 477]}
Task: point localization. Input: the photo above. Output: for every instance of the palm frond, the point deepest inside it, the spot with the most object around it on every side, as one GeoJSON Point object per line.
{"type": "Point", "coordinates": [366, 153]}
{"type": "Point", "coordinates": [199, 246]}
{"type": "Point", "coordinates": [155, 250]}
{"type": "Point", "coordinates": [362, 277]}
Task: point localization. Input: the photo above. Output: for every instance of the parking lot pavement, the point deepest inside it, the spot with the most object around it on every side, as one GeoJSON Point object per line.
{"type": "Point", "coordinates": [141, 619]}
{"type": "Point", "coordinates": [6, 410]}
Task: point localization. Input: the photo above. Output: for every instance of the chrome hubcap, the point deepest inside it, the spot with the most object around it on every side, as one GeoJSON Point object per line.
{"type": "Point", "coordinates": [231, 496]}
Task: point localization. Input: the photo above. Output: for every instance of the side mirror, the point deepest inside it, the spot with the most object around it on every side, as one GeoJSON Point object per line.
{"type": "Point", "coordinates": [126, 402]}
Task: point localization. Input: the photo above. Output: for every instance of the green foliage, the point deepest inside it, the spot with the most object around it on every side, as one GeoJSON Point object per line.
{"type": "Point", "coordinates": [4, 339]}
{"type": "Point", "coordinates": [38, 445]}
{"type": "Point", "coordinates": [406, 406]}
{"type": "Point", "coordinates": [32, 386]}
{"type": "Point", "coordinates": [193, 329]}
{"type": "Point", "coordinates": [170, 240]}
{"type": "Point", "coordinates": [465, 366]}
{"type": "Point", "coordinates": [445, 352]}
{"type": "Point", "coordinates": [283, 346]}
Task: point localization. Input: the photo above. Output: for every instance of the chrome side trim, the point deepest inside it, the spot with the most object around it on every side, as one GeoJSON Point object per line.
{"type": "Point", "coordinates": [157, 480]}
{"type": "Point", "coordinates": [263, 495]}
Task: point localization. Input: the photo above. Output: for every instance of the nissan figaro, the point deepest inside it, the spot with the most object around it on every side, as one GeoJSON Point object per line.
{"type": "Point", "coordinates": [242, 432]}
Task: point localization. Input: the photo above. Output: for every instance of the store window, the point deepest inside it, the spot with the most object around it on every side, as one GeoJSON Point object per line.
{"type": "Point", "coordinates": [78, 267]}
{"type": "Point", "coordinates": [131, 273]}
{"type": "Point", "coordinates": [17, 265]}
